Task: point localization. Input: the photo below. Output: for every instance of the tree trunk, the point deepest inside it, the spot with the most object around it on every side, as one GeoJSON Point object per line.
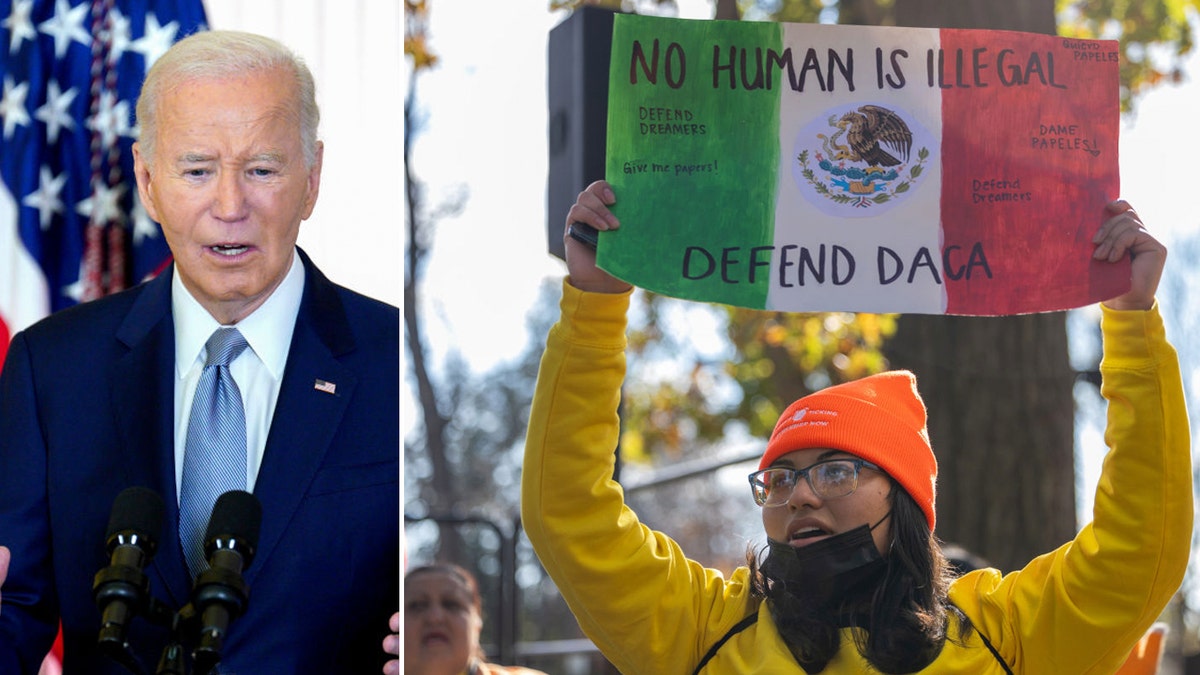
{"type": "Point", "coordinates": [435, 423]}
{"type": "Point", "coordinates": [727, 10]}
{"type": "Point", "coordinates": [865, 13]}
{"type": "Point", "coordinates": [998, 390]}
{"type": "Point", "coordinates": [1034, 16]}
{"type": "Point", "coordinates": [1001, 419]}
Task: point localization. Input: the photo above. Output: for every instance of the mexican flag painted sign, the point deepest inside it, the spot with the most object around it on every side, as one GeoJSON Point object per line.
{"type": "Point", "coordinates": [803, 167]}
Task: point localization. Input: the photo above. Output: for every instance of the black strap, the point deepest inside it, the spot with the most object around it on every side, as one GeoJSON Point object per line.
{"type": "Point", "coordinates": [737, 628]}
{"type": "Point", "coordinates": [988, 644]}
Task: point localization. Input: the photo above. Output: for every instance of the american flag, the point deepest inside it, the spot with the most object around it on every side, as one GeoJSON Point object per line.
{"type": "Point", "coordinates": [71, 226]}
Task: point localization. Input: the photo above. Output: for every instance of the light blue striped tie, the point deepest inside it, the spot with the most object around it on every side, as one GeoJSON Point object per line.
{"type": "Point", "coordinates": [214, 457]}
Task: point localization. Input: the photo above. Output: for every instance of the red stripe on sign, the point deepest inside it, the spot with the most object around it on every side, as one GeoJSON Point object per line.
{"type": "Point", "coordinates": [1029, 159]}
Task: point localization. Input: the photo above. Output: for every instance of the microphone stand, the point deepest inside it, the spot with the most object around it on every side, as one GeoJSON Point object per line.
{"type": "Point", "coordinates": [120, 650]}
{"type": "Point", "coordinates": [172, 660]}
{"type": "Point", "coordinates": [219, 594]}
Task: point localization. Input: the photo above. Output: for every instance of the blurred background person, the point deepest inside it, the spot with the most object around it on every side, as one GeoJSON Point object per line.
{"type": "Point", "coordinates": [443, 617]}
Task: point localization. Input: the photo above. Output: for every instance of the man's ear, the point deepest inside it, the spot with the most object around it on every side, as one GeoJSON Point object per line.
{"type": "Point", "coordinates": [314, 183]}
{"type": "Point", "coordinates": [141, 172]}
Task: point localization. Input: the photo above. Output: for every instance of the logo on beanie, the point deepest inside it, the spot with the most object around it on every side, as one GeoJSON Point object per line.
{"type": "Point", "coordinates": [798, 420]}
{"type": "Point", "coordinates": [804, 412]}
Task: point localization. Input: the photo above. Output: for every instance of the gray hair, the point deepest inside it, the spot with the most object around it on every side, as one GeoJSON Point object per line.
{"type": "Point", "coordinates": [224, 53]}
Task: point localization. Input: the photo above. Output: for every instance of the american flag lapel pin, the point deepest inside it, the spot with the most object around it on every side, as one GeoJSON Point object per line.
{"type": "Point", "coordinates": [327, 387]}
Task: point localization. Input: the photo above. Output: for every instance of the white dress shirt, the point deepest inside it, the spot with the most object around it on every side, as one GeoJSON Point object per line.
{"type": "Point", "coordinates": [258, 370]}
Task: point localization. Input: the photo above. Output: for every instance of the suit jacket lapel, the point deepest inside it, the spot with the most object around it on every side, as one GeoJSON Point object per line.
{"type": "Point", "coordinates": [143, 399]}
{"type": "Point", "coordinates": [306, 418]}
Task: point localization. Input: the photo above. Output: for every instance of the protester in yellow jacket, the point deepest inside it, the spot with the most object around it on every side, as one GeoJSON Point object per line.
{"type": "Point", "coordinates": [852, 579]}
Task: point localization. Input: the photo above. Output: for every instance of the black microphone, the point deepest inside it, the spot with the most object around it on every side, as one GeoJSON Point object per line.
{"type": "Point", "coordinates": [121, 590]}
{"type": "Point", "coordinates": [220, 593]}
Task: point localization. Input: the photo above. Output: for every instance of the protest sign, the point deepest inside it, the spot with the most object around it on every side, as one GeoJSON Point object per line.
{"type": "Point", "coordinates": [803, 167]}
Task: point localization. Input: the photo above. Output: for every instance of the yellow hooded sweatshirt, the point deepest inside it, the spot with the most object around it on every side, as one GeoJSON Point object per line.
{"type": "Point", "coordinates": [1076, 610]}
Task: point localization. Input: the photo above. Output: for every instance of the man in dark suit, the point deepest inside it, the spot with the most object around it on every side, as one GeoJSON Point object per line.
{"type": "Point", "coordinates": [96, 398]}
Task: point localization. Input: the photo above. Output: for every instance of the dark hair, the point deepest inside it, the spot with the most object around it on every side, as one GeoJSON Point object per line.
{"type": "Point", "coordinates": [460, 574]}
{"type": "Point", "coordinates": [901, 620]}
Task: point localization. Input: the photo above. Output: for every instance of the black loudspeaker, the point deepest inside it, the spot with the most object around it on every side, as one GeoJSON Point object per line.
{"type": "Point", "coordinates": [577, 93]}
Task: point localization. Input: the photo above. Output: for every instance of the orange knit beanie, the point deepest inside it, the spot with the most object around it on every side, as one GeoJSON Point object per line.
{"type": "Point", "coordinates": [880, 418]}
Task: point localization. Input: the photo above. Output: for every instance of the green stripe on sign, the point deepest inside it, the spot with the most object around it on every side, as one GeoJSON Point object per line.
{"type": "Point", "coordinates": [693, 142]}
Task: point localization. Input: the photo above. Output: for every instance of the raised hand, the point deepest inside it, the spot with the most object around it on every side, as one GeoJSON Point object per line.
{"type": "Point", "coordinates": [591, 207]}
{"type": "Point", "coordinates": [1125, 234]}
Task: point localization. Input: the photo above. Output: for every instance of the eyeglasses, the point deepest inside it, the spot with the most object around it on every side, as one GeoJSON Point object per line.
{"type": "Point", "coordinates": [828, 479]}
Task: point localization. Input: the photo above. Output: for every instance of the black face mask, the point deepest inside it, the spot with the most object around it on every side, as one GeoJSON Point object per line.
{"type": "Point", "coordinates": [830, 570]}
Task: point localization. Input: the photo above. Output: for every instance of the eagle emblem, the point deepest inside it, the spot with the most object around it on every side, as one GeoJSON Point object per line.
{"type": "Point", "coordinates": [861, 157]}
{"type": "Point", "coordinates": [875, 135]}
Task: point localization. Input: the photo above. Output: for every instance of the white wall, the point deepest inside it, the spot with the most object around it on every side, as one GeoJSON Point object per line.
{"type": "Point", "coordinates": [355, 51]}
